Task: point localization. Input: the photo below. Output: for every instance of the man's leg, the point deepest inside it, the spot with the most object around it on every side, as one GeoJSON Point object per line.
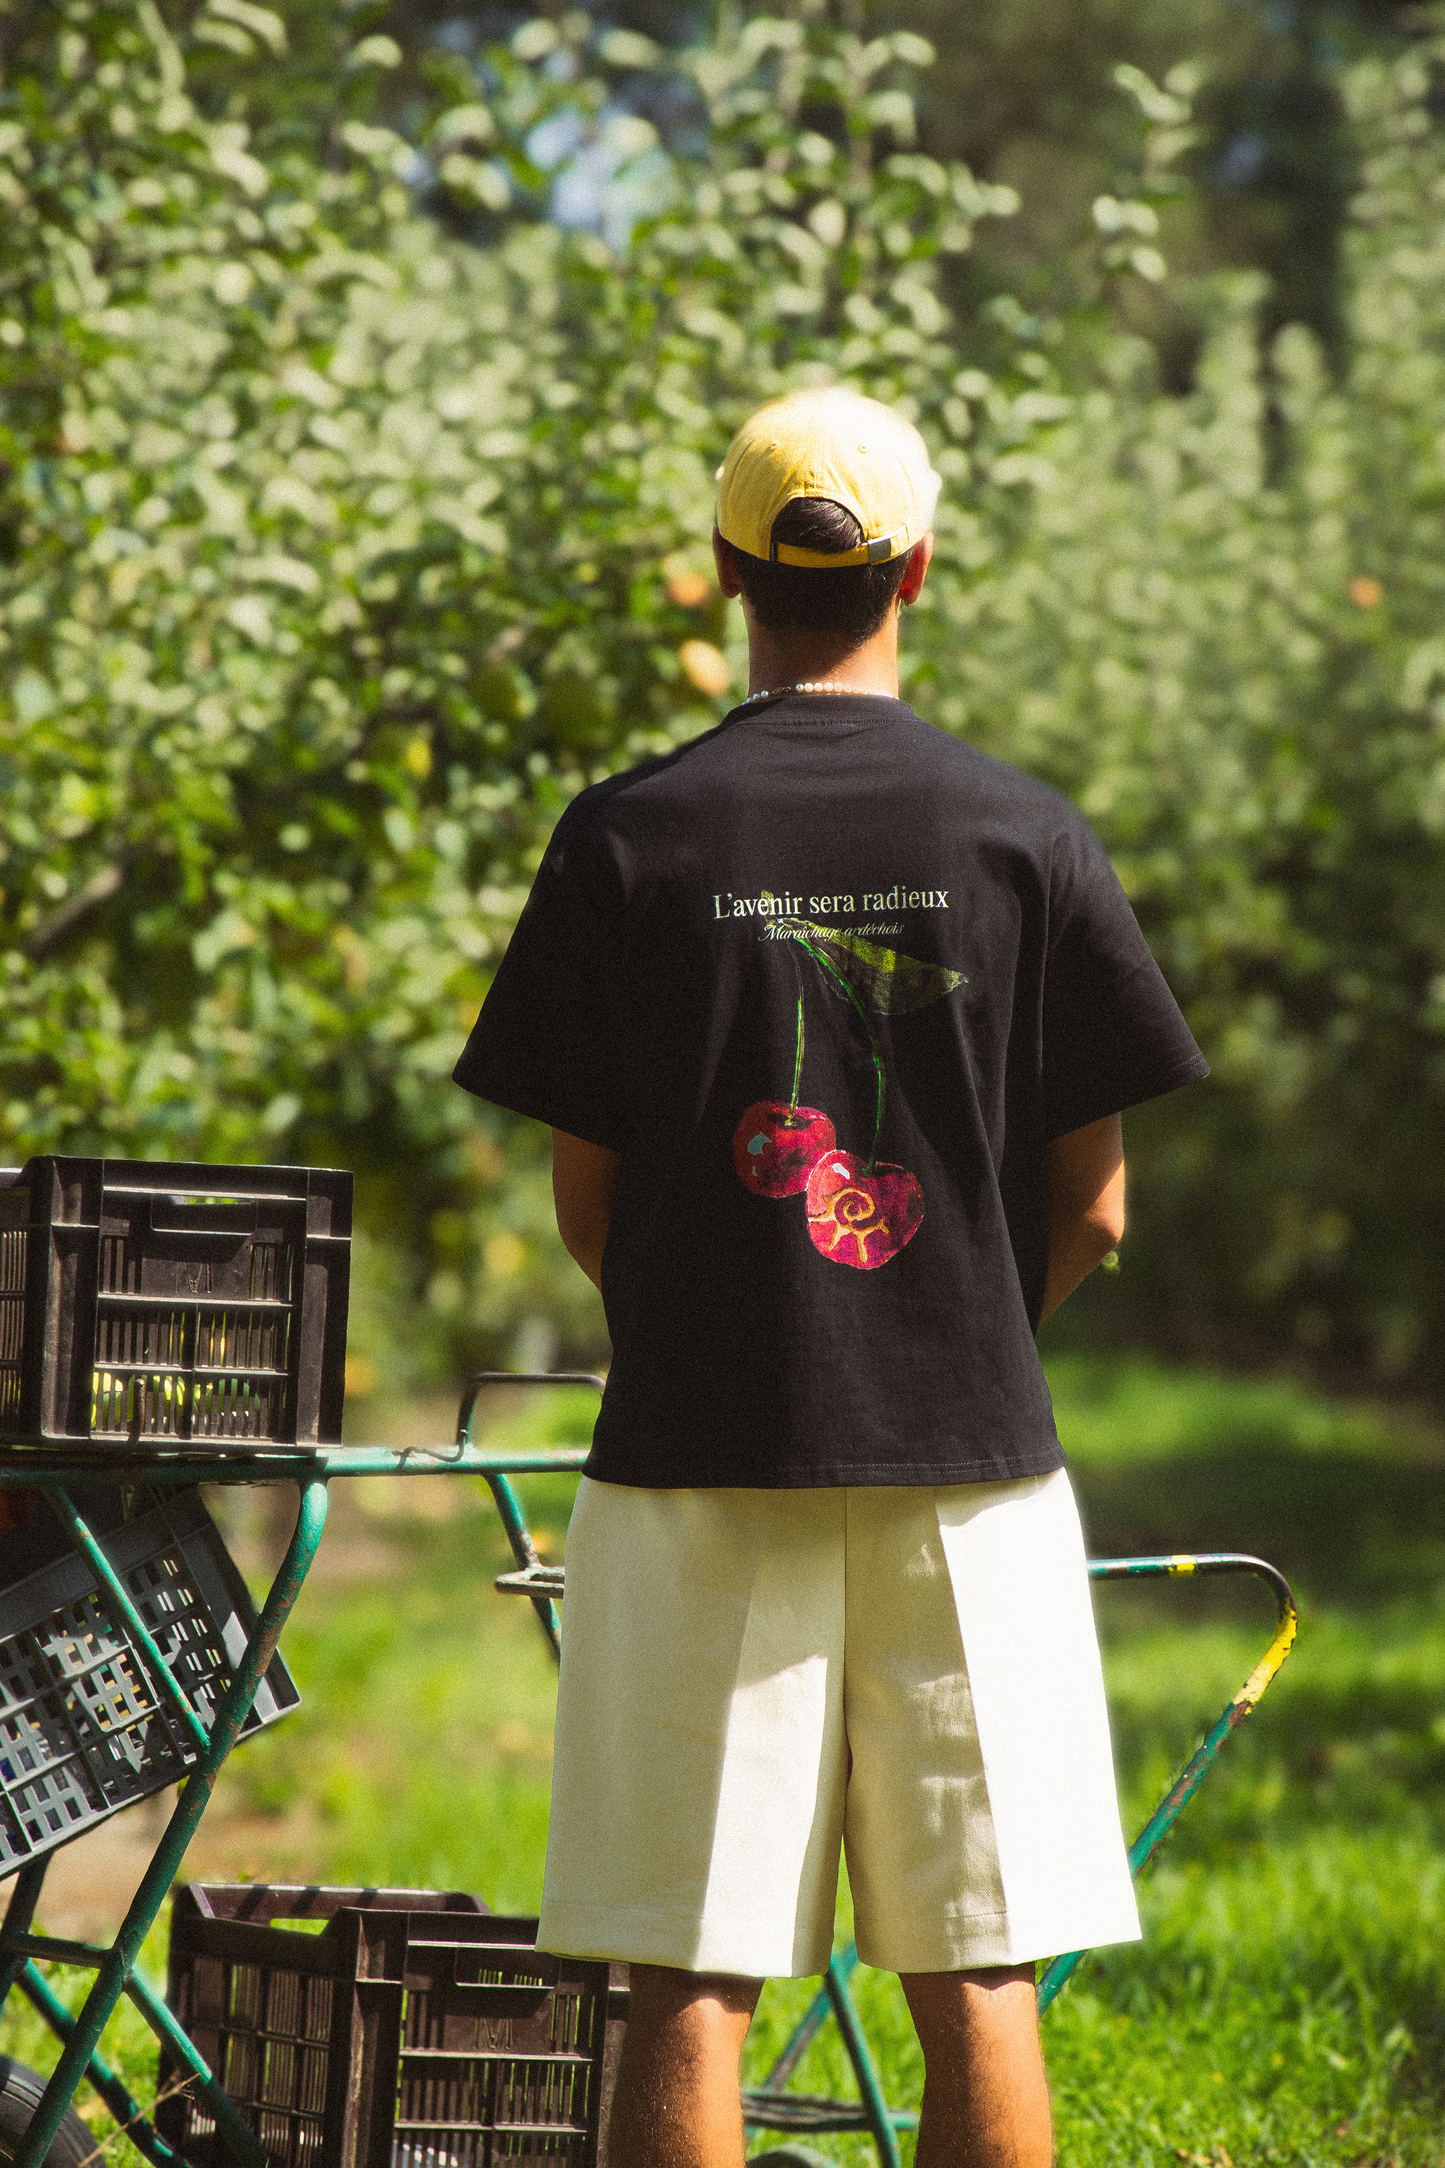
{"type": "Point", "coordinates": [676, 2101]}
{"type": "Point", "coordinates": [985, 2098]}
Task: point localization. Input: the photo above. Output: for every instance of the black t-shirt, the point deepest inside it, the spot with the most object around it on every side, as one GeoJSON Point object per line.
{"type": "Point", "coordinates": [829, 980]}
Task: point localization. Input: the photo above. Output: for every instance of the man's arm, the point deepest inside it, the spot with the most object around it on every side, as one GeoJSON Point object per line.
{"type": "Point", "coordinates": [584, 1177]}
{"type": "Point", "coordinates": [1086, 1204]}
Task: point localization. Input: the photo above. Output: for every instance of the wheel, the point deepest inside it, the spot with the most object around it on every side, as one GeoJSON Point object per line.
{"type": "Point", "coordinates": [20, 2091]}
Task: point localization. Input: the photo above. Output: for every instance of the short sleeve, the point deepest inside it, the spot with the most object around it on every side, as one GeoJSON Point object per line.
{"type": "Point", "coordinates": [1113, 1035]}
{"type": "Point", "coordinates": [549, 1039]}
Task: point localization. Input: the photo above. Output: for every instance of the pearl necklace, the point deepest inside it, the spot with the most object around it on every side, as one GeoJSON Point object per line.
{"type": "Point", "coordinates": [814, 685]}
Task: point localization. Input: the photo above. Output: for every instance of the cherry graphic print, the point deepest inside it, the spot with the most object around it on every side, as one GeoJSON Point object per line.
{"type": "Point", "coordinates": [858, 1215]}
{"type": "Point", "coordinates": [775, 1145]}
{"type": "Point", "coordinates": [860, 1212]}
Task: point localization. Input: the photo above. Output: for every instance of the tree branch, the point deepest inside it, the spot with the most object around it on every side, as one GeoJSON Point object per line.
{"type": "Point", "coordinates": [51, 931]}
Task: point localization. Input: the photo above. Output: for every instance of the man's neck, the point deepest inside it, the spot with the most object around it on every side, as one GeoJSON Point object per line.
{"type": "Point", "coordinates": [777, 661]}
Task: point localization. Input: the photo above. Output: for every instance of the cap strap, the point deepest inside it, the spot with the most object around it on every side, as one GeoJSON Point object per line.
{"type": "Point", "coordinates": [880, 552]}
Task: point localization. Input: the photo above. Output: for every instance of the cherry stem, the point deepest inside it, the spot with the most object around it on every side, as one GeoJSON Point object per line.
{"type": "Point", "coordinates": [873, 1047]}
{"type": "Point", "coordinates": [798, 1059]}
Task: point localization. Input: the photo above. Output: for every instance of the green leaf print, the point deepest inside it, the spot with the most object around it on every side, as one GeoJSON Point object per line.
{"type": "Point", "coordinates": [890, 983]}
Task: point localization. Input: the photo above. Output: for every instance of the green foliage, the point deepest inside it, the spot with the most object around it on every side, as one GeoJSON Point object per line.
{"type": "Point", "coordinates": [405, 1716]}
{"type": "Point", "coordinates": [1221, 635]}
{"type": "Point", "coordinates": [341, 543]}
{"type": "Point", "coordinates": [338, 552]}
{"type": "Point", "coordinates": [1022, 91]}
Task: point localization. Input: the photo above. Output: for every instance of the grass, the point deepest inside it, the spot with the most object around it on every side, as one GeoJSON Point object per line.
{"type": "Point", "coordinates": [1288, 2002]}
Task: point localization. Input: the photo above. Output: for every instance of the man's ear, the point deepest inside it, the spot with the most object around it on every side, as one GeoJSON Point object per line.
{"type": "Point", "coordinates": [919, 558]}
{"type": "Point", "coordinates": [724, 556]}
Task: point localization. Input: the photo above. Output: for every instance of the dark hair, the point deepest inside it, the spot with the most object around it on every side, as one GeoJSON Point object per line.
{"type": "Point", "coordinates": [800, 598]}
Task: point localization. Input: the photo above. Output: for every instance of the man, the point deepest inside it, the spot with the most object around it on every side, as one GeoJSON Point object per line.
{"type": "Point", "coordinates": [833, 1020]}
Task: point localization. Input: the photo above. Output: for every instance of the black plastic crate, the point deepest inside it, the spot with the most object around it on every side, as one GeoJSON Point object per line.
{"type": "Point", "coordinates": [414, 2030]}
{"type": "Point", "coordinates": [148, 1303]}
{"type": "Point", "coordinates": [84, 1728]}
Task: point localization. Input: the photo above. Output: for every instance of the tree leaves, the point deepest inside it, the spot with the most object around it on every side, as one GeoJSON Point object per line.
{"type": "Point", "coordinates": [341, 544]}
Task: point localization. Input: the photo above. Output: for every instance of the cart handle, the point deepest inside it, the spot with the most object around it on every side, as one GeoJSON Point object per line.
{"type": "Point", "coordinates": [509, 1505]}
{"type": "Point", "coordinates": [1244, 1703]}
{"type": "Point", "coordinates": [472, 1390]}
{"type": "Point", "coordinates": [767, 2107]}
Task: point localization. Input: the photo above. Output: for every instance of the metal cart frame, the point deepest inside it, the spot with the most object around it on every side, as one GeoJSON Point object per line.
{"type": "Point", "coordinates": [57, 1475]}
{"type": "Point", "coordinates": [769, 2106]}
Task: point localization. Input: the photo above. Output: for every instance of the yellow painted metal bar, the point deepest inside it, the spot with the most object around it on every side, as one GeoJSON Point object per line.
{"type": "Point", "coordinates": [1242, 1705]}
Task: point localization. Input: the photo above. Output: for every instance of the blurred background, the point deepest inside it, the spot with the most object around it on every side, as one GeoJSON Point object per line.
{"type": "Point", "coordinates": [362, 378]}
{"type": "Point", "coordinates": [364, 368]}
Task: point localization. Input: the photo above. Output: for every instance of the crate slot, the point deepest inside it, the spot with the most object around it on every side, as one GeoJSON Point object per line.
{"type": "Point", "coordinates": [118, 1297]}
{"type": "Point", "coordinates": [208, 1373]}
{"type": "Point", "coordinates": [564, 2059]}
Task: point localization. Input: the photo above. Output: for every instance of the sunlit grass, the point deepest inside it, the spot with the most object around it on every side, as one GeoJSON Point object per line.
{"type": "Point", "coordinates": [1288, 2002]}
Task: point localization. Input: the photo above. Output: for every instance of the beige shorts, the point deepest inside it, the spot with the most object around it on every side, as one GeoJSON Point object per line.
{"type": "Point", "coordinates": [752, 1678]}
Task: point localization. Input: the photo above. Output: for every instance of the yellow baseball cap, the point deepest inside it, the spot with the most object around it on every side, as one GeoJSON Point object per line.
{"type": "Point", "coordinates": [831, 443]}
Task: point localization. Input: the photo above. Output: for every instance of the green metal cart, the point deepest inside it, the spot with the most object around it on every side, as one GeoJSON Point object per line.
{"type": "Point", "coordinates": [771, 2106]}
{"type": "Point", "coordinates": [64, 1479]}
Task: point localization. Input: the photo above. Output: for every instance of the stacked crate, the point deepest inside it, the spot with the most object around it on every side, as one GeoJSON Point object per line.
{"type": "Point", "coordinates": [405, 2029]}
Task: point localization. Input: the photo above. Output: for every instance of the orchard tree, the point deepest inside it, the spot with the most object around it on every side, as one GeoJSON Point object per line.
{"type": "Point", "coordinates": [354, 515]}
{"type": "Point", "coordinates": [340, 549]}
